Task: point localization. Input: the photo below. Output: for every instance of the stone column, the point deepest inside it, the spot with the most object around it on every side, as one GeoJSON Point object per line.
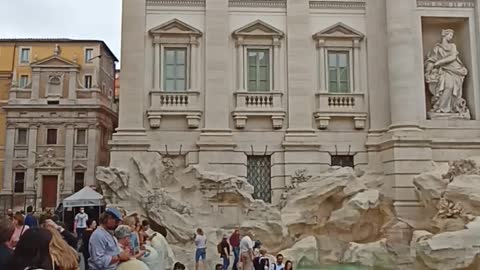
{"type": "Point", "coordinates": [276, 65]}
{"type": "Point", "coordinates": [300, 84]}
{"type": "Point", "coordinates": [8, 163]}
{"type": "Point", "coordinates": [35, 84]}
{"type": "Point", "coordinates": [156, 70]}
{"type": "Point", "coordinates": [93, 146]}
{"type": "Point", "coordinates": [321, 66]}
{"type": "Point", "coordinates": [240, 65]}
{"type": "Point", "coordinates": [132, 82]}
{"type": "Point", "coordinates": [401, 35]}
{"type": "Point", "coordinates": [68, 173]}
{"type": "Point", "coordinates": [357, 78]}
{"type": "Point", "coordinates": [32, 157]}
{"type": "Point", "coordinates": [72, 85]}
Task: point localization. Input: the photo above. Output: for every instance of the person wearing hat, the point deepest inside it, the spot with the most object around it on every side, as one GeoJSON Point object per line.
{"type": "Point", "coordinates": [123, 234]}
{"type": "Point", "coordinates": [103, 246]}
{"type": "Point", "coordinates": [224, 251]}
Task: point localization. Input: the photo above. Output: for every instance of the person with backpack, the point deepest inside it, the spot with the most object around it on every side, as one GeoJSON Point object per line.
{"type": "Point", "coordinates": [278, 265]}
{"type": "Point", "coordinates": [261, 262]}
{"type": "Point", "coordinates": [223, 249]}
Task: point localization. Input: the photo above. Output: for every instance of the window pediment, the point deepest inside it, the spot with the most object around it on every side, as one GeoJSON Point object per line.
{"type": "Point", "coordinates": [339, 31]}
{"type": "Point", "coordinates": [258, 33]}
{"type": "Point", "coordinates": [258, 29]}
{"type": "Point", "coordinates": [175, 27]}
{"type": "Point", "coordinates": [54, 61]}
{"type": "Point", "coordinates": [20, 167]}
{"type": "Point", "coordinates": [80, 167]}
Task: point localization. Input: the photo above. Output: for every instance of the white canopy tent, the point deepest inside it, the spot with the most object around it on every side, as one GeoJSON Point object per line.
{"type": "Point", "coordinates": [85, 197]}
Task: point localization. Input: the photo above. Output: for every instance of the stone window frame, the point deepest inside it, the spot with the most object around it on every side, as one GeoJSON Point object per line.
{"type": "Point", "coordinates": [86, 136]}
{"type": "Point", "coordinates": [17, 136]}
{"type": "Point", "coordinates": [188, 61]}
{"type": "Point", "coordinates": [349, 52]}
{"type": "Point", "coordinates": [46, 136]}
{"type": "Point", "coordinates": [24, 63]}
{"type": "Point", "coordinates": [258, 35]}
{"type": "Point", "coordinates": [75, 172]}
{"type": "Point", "coordinates": [20, 79]}
{"type": "Point", "coordinates": [49, 93]}
{"type": "Point", "coordinates": [15, 172]}
{"type": "Point", "coordinates": [176, 34]}
{"type": "Point", "coordinates": [90, 60]}
{"type": "Point", "coordinates": [270, 66]}
{"type": "Point", "coordinates": [339, 37]}
{"type": "Point", "coordinates": [84, 81]}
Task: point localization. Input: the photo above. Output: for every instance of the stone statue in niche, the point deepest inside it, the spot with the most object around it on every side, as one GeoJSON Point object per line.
{"type": "Point", "coordinates": [444, 74]}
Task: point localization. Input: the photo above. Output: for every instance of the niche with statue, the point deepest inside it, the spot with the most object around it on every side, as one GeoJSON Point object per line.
{"type": "Point", "coordinates": [447, 64]}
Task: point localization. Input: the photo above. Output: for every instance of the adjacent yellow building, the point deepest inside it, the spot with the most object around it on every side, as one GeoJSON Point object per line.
{"type": "Point", "coordinates": [57, 114]}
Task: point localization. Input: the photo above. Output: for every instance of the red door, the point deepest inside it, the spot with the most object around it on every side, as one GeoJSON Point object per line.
{"type": "Point", "coordinates": [49, 191]}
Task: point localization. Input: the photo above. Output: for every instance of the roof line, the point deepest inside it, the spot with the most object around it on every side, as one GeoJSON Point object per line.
{"type": "Point", "coordinates": [60, 40]}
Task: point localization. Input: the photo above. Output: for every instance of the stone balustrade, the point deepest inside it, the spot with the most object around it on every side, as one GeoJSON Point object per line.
{"type": "Point", "coordinates": [330, 105]}
{"type": "Point", "coordinates": [174, 103]}
{"type": "Point", "coordinates": [267, 104]}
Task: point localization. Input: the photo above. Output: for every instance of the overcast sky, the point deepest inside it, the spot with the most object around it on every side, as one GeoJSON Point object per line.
{"type": "Point", "coordinates": [80, 19]}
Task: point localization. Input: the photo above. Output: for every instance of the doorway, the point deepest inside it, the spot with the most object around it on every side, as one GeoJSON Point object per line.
{"type": "Point", "coordinates": [49, 191]}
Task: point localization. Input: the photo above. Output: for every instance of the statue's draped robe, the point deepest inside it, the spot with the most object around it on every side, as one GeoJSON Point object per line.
{"type": "Point", "coordinates": [446, 81]}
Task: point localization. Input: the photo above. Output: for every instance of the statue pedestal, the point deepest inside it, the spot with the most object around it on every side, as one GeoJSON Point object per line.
{"type": "Point", "coordinates": [449, 116]}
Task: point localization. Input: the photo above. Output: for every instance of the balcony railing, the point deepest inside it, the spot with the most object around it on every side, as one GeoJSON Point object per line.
{"type": "Point", "coordinates": [174, 103]}
{"type": "Point", "coordinates": [331, 105]}
{"type": "Point", "coordinates": [258, 104]}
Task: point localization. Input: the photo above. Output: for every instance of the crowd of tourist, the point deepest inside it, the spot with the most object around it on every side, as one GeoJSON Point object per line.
{"type": "Point", "coordinates": [247, 253]}
{"type": "Point", "coordinates": [44, 243]}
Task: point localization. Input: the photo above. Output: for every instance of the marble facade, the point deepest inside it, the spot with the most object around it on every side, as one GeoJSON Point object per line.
{"type": "Point", "coordinates": [380, 121]}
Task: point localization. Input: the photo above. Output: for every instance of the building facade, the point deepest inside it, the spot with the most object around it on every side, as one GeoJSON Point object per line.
{"type": "Point", "coordinates": [264, 88]}
{"type": "Point", "coordinates": [60, 115]}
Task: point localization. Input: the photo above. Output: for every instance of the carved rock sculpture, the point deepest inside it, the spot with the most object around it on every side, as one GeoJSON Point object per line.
{"type": "Point", "coordinates": [216, 201]}
{"type": "Point", "coordinates": [444, 74]}
{"type": "Point", "coordinates": [462, 167]}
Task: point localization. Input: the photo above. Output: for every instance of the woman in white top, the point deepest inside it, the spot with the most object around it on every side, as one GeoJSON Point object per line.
{"type": "Point", "coordinates": [201, 248]}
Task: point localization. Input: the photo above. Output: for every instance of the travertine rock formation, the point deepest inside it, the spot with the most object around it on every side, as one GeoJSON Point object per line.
{"type": "Point", "coordinates": [320, 215]}
{"type": "Point", "coordinates": [454, 193]}
{"type": "Point", "coordinates": [340, 216]}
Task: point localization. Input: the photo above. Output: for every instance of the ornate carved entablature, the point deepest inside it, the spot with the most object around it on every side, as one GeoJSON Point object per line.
{"type": "Point", "coordinates": [338, 4]}
{"type": "Point", "coordinates": [175, 32]}
{"type": "Point", "coordinates": [177, 3]}
{"type": "Point", "coordinates": [446, 3]}
{"type": "Point", "coordinates": [48, 160]}
{"type": "Point", "coordinates": [258, 3]}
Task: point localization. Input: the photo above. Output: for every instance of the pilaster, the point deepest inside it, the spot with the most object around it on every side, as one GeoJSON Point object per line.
{"type": "Point", "coordinates": [8, 163]}
{"type": "Point", "coordinates": [68, 173]}
{"type": "Point", "coordinates": [93, 144]}
{"type": "Point", "coordinates": [300, 83]}
{"type": "Point", "coordinates": [217, 133]}
{"type": "Point", "coordinates": [72, 85]}
{"type": "Point", "coordinates": [131, 129]}
{"type": "Point", "coordinates": [35, 84]}
{"type": "Point", "coordinates": [401, 36]}
{"type": "Point", "coordinates": [32, 157]}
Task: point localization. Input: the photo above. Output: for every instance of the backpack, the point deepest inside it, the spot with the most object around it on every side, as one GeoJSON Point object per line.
{"type": "Point", "coordinates": [220, 248]}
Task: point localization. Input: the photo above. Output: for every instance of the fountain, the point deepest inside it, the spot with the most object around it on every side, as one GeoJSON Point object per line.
{"type": "Point", "coordinates": [339, 220]}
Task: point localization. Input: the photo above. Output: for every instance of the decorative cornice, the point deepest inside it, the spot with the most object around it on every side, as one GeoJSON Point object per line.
{"type": "Point", "coordinates": [446, 3]}
{"type": "Point", "coordinates": [177, 3]}
{"type": "Point", "coordinates": [338, 4]}
{"type": "Point", "coordinates": [258, 3]}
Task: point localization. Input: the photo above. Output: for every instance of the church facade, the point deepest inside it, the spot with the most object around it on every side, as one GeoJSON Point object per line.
{"type": "Point", "coordinates": [267, 89]}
